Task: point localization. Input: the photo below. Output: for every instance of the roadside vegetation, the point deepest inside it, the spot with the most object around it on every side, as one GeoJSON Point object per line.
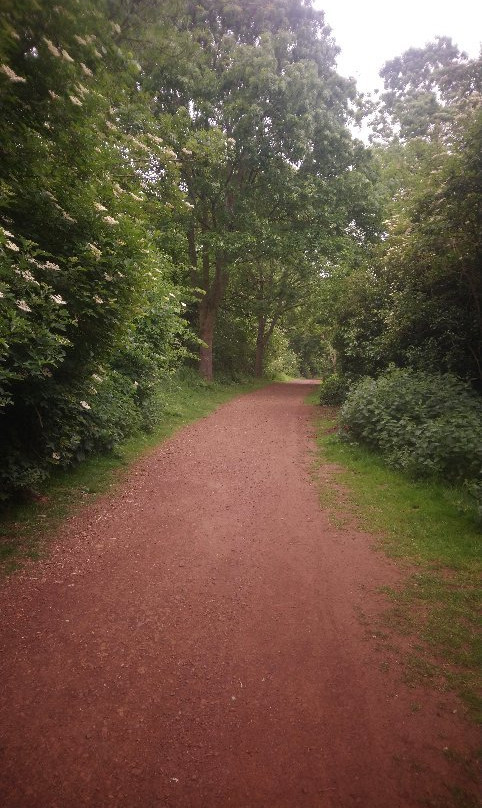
{"type": "Point", "coordinates": [433, 528]}
{"type": "Point", "coordinates": [180, 188]}
{"type": "Point", "coordinates": [26, 526]}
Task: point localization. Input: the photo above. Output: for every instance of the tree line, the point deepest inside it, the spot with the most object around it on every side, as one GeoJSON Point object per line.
{"type": "Point", "coordinates": [178, 179]}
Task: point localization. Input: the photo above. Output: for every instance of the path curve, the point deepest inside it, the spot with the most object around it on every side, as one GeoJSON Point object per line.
{"type": "Point", "coordinates": [194, 641]}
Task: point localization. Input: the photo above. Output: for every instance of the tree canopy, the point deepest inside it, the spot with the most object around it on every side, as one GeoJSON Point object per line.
{"type": "Point", "coordinates": [179, 177]}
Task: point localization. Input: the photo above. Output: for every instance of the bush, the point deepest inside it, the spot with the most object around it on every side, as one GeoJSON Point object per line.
{"type": "Point", "coordinates": [429, 425]}
{"type": "Point", "coordinates": [333, 390]}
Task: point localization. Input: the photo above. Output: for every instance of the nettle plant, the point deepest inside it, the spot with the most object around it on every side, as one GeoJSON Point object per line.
{"type": "Point", "coordinates": [427, 424]}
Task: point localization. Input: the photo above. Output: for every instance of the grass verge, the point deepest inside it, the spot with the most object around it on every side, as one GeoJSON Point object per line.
{"type": "Point", "coordinates": [430, 526]}
{"type": "Point", "coordinates": [25, 529]}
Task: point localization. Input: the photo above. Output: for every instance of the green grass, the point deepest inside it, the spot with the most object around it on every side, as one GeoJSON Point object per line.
{"type": "Point", "coordinates": [25, 529]}
{"type": "Point", "coordinates": [430, 526]}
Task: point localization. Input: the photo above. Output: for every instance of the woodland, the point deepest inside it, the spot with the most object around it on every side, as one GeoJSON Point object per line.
{"type": "Point", "coordinates": [182, 191]}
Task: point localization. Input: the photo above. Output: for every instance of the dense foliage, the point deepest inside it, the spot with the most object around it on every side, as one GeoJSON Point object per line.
{"type": "Point", "coordinates": [415, 299]}
{"type": "Point", "coordinates": [333, 390]}
{"type": "Point", "coordinates": [89, 316]}
{"type": "Point", "coordinates": [179, 177]}
{"type": "Point", "coordinates": [425, 424]}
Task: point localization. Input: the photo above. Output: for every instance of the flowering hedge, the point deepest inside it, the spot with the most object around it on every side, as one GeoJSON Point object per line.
{"type": "Point", "coordinates": [85, 282]}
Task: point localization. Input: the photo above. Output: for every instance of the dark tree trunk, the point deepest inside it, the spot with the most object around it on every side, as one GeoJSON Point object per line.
{"type": "Point", "coordinates": [265, 332]}
{"type": "Point", "coordinates": [260, 348]}
{"type": "Point", "coordinates": [207, 316]}
{"type": "Point", "coordinates": [208, 309]}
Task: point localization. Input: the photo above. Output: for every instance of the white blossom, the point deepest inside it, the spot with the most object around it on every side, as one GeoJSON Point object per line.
{"type": "Point", "coordinates": [98, 206]}
{"type": "Point", "coordinates": [80, 40]}
{"type": "Point", "coordinates": [110, 220]}
{"type": "Point", "coordinates": [97, 378]}
{"type": "Point", "coordinates": [136, 197]}
{"type": "Point", "coordinates": [22, 305]}
{"type": "Point", "coordinates": [86, 70]}
{"type": "Point", "coordinates": [85, 405]}
{"type": "Point", "coordinates": [27, 276]}
{"type": "Point", "coordinates": [97, 299]}
{"type": "Point", "coordinates": [186, 151]}
{"type": "Point", "coordinates": [67, 56]}
{"type": "Point", "coordinates": [107, 277]}
{"type": "Point", "coordinates": [1, 294]}
{"type": "Point", "coordinates": [67, 217]}
{"type": "Point", "coordinates": [7, 233]}
{"type": "Point", "coordinates": [81, 89]}
{"type": "Point", "coordinates": [94, 249]}
{"type": "Point", "coordinates": [11, 75]}
{"type": "Point", "coordinates": [139, 144]}
{"type": "Point", "coordinates": [116, 27]}
{"type": "Point", "coordinates": [55, 456]}
{"type": "Point", "coordinates": [53, 50]}
{"type": "Point", "coordinates": [53, 95]}
{"type": "Point", "coordinates": [12, 246]}
{"type": "Point", "coordinates": [59, 300]}
{"type": "Point", "coordinates": [75, 100]}
{"type": "Point", "coordinates": [51, 265]}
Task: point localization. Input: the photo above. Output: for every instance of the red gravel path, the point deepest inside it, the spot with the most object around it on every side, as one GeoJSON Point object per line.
{"type": "Point", "coordinates": [194, 641]}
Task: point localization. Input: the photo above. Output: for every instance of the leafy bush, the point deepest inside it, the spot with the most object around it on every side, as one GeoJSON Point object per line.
{"type": "Point", "coordinates": [425, 424]}
{"type": "Point", "coordinates": [333, 390]}
{"type": "Point", "coordinates": [91, 321]}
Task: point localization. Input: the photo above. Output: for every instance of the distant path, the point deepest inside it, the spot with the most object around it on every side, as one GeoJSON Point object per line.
{"type": "Point", "coordinates": [195, 641]}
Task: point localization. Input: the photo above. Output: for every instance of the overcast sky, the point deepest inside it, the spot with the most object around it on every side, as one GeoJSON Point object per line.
{"type": "Point", "coordinates": [370, 32]}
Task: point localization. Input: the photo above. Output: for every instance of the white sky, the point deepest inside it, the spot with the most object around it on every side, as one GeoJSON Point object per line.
{"type": "Point", "coordinates": [370, 32]}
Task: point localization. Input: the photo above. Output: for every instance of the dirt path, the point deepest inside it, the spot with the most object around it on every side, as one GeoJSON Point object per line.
{"type": "Point", "coordinates": [194, 641]}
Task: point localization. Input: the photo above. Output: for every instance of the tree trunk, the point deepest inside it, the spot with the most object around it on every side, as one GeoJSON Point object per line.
{"type": "Point", "coordinates": [260, 348]}
{"type": "Point", "coordinates": [208, 309]}
{"type": "Point", "coordinates": [206, 332]}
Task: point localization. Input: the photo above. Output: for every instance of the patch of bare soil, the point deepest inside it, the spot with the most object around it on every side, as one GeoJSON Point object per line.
{"type": "Point", "coordinates": [194, 641]}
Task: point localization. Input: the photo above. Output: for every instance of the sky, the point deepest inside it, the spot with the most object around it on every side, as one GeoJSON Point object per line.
{"type": "Point", "coordinates": [370, 32]}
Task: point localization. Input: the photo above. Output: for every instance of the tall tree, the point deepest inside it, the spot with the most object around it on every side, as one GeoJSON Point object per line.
{"type": "Point", "coordinates": [428, 92]}
{"type": "Point", "coordinates": [255, 106]}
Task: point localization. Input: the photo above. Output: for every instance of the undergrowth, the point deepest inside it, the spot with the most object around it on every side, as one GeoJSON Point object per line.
{"type": "Point", "coordinates": [25, 527]}
{"type": "Point", "coordinates": [432, 526]}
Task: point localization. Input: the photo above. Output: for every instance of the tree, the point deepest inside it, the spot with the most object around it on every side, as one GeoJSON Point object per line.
{"type": "Point", "coordinates": [415, 300]}
{"type": "Point", "coordinates": [428, 92]}
{"type": "Point", "coordinates": [257, 106]}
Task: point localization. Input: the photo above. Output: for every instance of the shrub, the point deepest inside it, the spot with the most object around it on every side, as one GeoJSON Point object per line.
{"type": "Point", "coordinates": [333, 390]}
{"type": "Point", "coordinates": [425, 424]}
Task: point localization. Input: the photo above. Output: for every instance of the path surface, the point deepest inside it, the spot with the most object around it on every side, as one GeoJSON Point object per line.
{"type": "Point", "coordinates": [194, 641]}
